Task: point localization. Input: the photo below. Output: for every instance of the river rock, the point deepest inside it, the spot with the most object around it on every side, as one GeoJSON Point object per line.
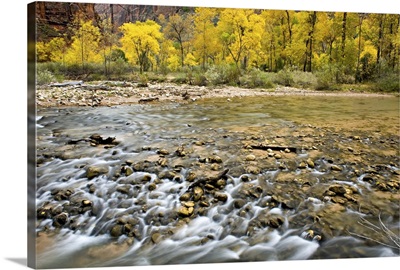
{"type": "Point", "coordinates": [253, 169]}
{"type": "Point", "coordinates": [250, 157]}
{"type": "Point", "coordinates": [310, 163]}
{"type": "Point", "coordinates": [337, 189]}
{"type": "Point", "coordinates": [198, 192]}
{"type": "Point", "coordinates": [156, 237]}
{"type": "Point", "coordinates": [222, 197]}
{"type": "Point", "coordinates": [60, 220]}
{"type": "Point", "coordinates": [152, 186]}
{"type": "Point", "coordinates": [117, 230]}
{"type": "Point", "coordinates": [163, 152]}
{"type": "Point", "coordinates": [124, 189]}
{"type": "Point", "coordinates": [336, 168]}
{"type": "Point", "coordinates": [61, 195]}
{"type": "Point", "coordinates": [185, 196]}
{"type": "Point", "coordinates": [94, 171]}
{"type": "Point", "coordinates": [239, 203]}
{"type": "Point", "coordinates": [184, 211]}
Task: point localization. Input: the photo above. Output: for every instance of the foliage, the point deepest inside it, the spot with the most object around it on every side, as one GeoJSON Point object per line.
{"type": "Point", "coordinates": [284, 77]}
{"type": "Point", "coordinates": [140, 42]}
{"type": "Point", "coordinates": [257, 79]}
{"type": "Point", "coordinates": [223, 74]}
{"type": "Point", "coordinates": [232, 46]}
{"type": "Point", "coordinates": [85, 45]}
{"type": "Point", "coordinates": [44, 76]}
{"type": "Point", "coordinates": [389, 82]}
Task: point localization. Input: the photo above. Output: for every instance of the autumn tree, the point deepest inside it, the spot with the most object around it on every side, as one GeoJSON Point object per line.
{"type": "Point", "coordinates": [205, 42]}
{"type": "Point", "coordinates": [85, 44]}
{"type": "Point", "coordinates": [108, 41]}
{"type": "Point", "coordinates": [141, 43]}
{"type": "Point", "coordinates": [179, 28]}
{"type": "Point", "coordinates": [240, 32]}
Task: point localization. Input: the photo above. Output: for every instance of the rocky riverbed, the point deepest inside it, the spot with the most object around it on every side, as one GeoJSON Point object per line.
{"type": "Point", "coordinates": [273, 191]}
{"type": "Point", "coordinates": [111, 93]}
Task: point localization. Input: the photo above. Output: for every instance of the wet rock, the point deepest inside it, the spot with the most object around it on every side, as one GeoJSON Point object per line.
{"type": "Point", "coordinates": [336, 168]}
{"type": "Point", "coordinates": [61, 195]}
{"type": "Point", "coordinates": [198, 192]}
{"type": "Point", "coordinates": [253, 170]}
{"type": "Point", "coordinates": [222, 197]}
{"type": "Point", "coordinates": [117, 230]}
{"type": "Point", "coordinates": [337, 189]}
{"type": "Point", "coordinates": [340, 200]}
{"type": "Point", "coordinates": [167, 174]}
{"type": "Point", "coordinates": [245, 178]}
{"type": "Point", "coordinates": [250, 157]}
{"type": "Point", "coordinates": [94, 171]}
{"type": "Point", "coordinates": [180, 152]}
{"type": "Point", "coordinates": [302, 165]}
{"type": "Point", "coordinates": [239, 203]}
{"type": "Point", "coordinates": [185, 196]}
{"type": "Point", "coordinates": [43, 213]}
{"type": "Point", "coordinates": [124, 189]}
{"type": "Point", "coordinates": [129, 162]}
{"type": "Point", "coordinates": [204, 204]}
{"type": "Point", "coordinates": [156, 237]}
{"type": "Point", "coordinates": [215, 159]}
{"type": "Point", "coordinates": [60, 220]}
{"type": "Point", "coordinates": [152, 187]}
{"type": "Point", "coordinates": [184, 211]}
{"type": "Point", "coordinates": [128, 171]}
{"type": "Point", "coordinates": [163, 152]}
{"type": "Point", "coordinates": [191, 177]}
{"type": "Point", "coordinates": [310, 163]}
{"type": "Point", "coordinates": [215, 167]}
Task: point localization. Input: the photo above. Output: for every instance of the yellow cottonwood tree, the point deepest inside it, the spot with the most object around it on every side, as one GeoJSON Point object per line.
{"type": "Point", "coordinates": [205, 42]}
{"type": "Point", "coordinates": [57, 48]}
{"type": "Point", "coordinates": [179, 28]}
{"type": "Point", "coordinates": [85, 45]}
{"type": "Point", "coordinates": [240, 33]}
{"type": "Point", "coordinates": [141, 43]}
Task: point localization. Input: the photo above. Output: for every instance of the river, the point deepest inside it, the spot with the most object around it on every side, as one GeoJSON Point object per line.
{"type": "Point", "coordinates": [330, 188]}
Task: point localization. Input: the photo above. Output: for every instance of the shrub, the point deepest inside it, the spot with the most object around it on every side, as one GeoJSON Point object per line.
{"type": "Point", "coordinates": [119, 67]}
{"type": "Point", "coordinates": [223, 74]}
{"type": "Point", "coordinates": [257, 79]}
{"type": "Point", "coordinates": [390, 82]}
{"type": "Point", "coordinates": [284, 77]}
{"type": "Point", "coordinates": [44, 77]}
{"type": "Point", "coordinates": [326, 78]}
{"type": "Point", "coordinates": [304, 79]}
{"type": "Point", "coordinates": [199, 79]}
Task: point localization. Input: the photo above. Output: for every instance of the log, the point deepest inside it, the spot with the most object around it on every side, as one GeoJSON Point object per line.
{"type": "Point", "coordinates": [149, 99]}
{"type": "Point", "coordinates": [273, 147]}
{"type": "Point", "coordinates": [63, 84]}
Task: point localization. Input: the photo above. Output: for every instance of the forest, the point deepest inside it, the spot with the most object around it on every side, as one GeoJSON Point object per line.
{"type": "Point", "coordinates": [245, 47]}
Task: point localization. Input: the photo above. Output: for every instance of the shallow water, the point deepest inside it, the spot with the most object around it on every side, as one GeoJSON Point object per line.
{"type": "Point", "coordinates": [221, 233]}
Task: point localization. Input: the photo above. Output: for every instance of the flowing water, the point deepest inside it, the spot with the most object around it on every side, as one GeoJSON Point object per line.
{"type": "Point", "coordinates": [126, 220]}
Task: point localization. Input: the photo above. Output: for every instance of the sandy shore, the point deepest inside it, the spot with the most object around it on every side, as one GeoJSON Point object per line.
{"type": "Point", "coordinates": [118, 93]}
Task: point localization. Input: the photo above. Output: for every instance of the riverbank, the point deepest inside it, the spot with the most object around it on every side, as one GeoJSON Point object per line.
{"type": "Point", "coordinates": [107, 93]}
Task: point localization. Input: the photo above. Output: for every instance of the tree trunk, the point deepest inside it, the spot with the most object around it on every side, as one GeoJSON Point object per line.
{"type": "Point", "coordinates": [358, 77]}
{"type": "Point", "coordinates": [309, 43]}
{"type": "Point", "coordinates": [344, 26]}
{"type": "Point", "coordinates": [380, 42]}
